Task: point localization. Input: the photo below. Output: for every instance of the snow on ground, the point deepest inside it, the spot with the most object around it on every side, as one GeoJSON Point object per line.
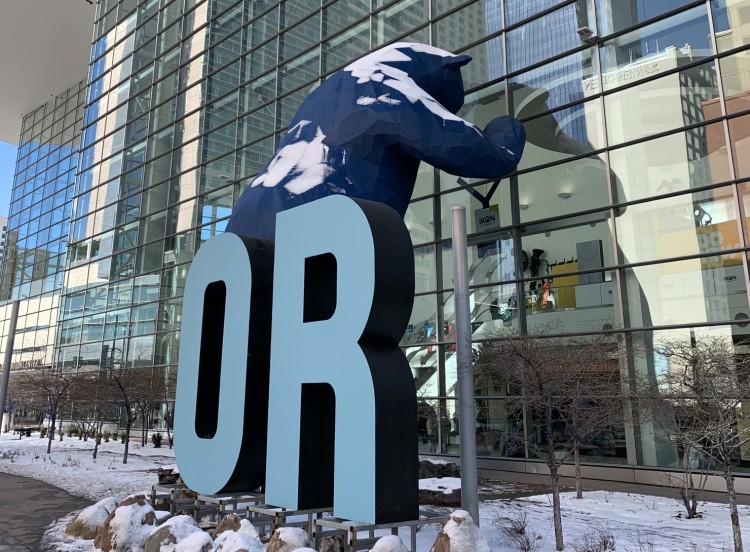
{"type": "Point", "coordinates": [71, 467]}
{"type": "Point", "coordinates": [637, 522]}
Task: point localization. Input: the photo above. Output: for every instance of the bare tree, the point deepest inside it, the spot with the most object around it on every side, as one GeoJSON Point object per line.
{"type": "Point", "coordinates": [168, 389]}
{"type": "Point", "coordinates": [570, 385]}
{"type": "Point", "coordinates": [697, 399]}
{"type": "Point", "coordinates": [149, 395]}
{"type": "Point", "coordinates": [91, 410]}
{"type": "Point", "coordinates": [124, 390]}
{"type": "Point", "coordinates": [50, 390]}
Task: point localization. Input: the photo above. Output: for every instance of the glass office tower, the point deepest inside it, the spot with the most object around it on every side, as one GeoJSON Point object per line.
{"type": "Point", "coordinates": [628, 206]}
{"type": "Point", "coordinates": [38, 224]}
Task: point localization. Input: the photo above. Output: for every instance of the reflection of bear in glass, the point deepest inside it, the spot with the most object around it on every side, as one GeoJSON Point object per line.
{"type": "Point", "coordinates": [364, 131]}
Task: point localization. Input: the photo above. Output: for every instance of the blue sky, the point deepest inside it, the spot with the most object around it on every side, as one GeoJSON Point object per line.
{"type": "Point", "coordinates": [7, 166]}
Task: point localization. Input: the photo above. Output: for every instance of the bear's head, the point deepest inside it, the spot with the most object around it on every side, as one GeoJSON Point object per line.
{"type": "Point", "coordinates": [435, 71]}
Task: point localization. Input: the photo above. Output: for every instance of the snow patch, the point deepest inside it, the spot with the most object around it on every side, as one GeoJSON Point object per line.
{"type": "Point", "coordinates": [389, 543]}
{"type": "Point", "coordinates": [304, 161]}
{"type": "Point", "coordinates": [445, 484]}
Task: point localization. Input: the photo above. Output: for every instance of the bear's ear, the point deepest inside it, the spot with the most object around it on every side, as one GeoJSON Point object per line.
{"type": "Point", "coordinates": [456, 61]}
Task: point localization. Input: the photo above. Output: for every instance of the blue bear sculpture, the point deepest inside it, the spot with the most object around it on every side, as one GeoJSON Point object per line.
{"type": "Point", "coordinates": [364, 131]}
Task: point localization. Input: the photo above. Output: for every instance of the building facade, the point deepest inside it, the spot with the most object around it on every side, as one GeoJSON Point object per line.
{"type": "Point", "coordinates": [628, 206]}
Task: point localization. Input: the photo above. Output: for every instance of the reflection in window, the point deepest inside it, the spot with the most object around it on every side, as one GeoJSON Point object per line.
{"type": "Point", "coordinates": [730, 23]}
{"type": "Point", "coordinates": [679, 161]}
{"type": "Point", "coordinates": [548, 36]}
{"type": "Point", "coordinates": [656, 48]}
{"type": "Point", "coordinates": [651, 107]}
{"type": "Point", "coordinates": [689, 224]}
{"type": "Point", "coordinates": [706, 289]}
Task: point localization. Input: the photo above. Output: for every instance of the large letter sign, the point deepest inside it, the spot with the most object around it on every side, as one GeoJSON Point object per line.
{"type": "Point", "coordinates": [341, 409]}
{"type": "Point", "coordinates": [222, 385]}
{"type": "Point", "coordinates": [355, 352]}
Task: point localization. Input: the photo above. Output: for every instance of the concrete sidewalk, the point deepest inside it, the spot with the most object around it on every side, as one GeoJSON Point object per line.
{"type": "Point", "coordinates": [27, 508]}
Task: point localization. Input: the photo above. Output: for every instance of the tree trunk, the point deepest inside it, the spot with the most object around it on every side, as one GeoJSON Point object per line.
{"type": "Point", "coordinates": [555, 480]}
{"type": "Point", "coordinates": [98, 438]}
{"type": "Point", "coordinates": [60, 431]}
{"type": "Point", "coordinates": [127, 442]}
{"type": "Point", "coordinates": [51, 434]}
{"type": "Point", "coordinates": [729, 478]}
{"type": "Point", "coordinates": [577, 461]}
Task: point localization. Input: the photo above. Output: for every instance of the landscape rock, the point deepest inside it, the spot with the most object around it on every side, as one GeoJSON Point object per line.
{"type": "Point", "coordinates": [173, 531]}
{"type": "Point", "coordinates": [289, 539]}
{"type": "Point", "coordinates": [438, 468]}
{"type": "Point", "coordinates": [89, 520]}
{"type": "Point", "coordinates": [460, 534]}
{"type": "Point", "coordinates": [389, 543]}
{"type": "Point", "coordinates": [445, 491]}
{"type": "Point", "coordinates": [230, 522]}
{"type": "Point", "coordinates": [234, 541]}
{"type": "Point", "coordinates": [127, 528]}
{"type": "Point", "coordinates": [167, 476]}
{"type": "Point", "coordinates": [334, 543]}
{"type": "Point", "coordinates": [197, 542]}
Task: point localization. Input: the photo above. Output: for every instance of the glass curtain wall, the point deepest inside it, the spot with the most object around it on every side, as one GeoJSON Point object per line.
{"type": "Point", "coordinates": [626, 213]}
{"type": "Point", "coordinates": [38, 224]}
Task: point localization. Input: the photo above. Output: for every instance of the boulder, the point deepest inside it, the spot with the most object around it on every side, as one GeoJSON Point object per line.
{"type": "Point", "coordinates": [127, 528]}
{"type": "Point", "coordinates": [196, 542]}
{"type": "Point", "coordinates": [390, 543]}
{"type": "Point", "coordinates": [460, 534]}
{"type": "Point", "coordinates": [334, 543]}
{"type": "Point", "coordinates": [235, 541]}
{"type": "Point", "coordinates": [438, 468]}
{"type": "Point", "coordinates": [230, 522]}
{"type": "Point", "coordinates": [445, 491]}
{"type": "Point", "coordinates": [167, 476]}
{"type": "Point", "coordinates": [89, 520]}
{"type": "Point", "coordinates": [289, 539]}
{"type": "Point", "coordinates": [173, 531]}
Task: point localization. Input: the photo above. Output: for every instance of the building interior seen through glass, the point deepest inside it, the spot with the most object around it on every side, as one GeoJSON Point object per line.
{"type": "Point", "coordinates": [625, 221]}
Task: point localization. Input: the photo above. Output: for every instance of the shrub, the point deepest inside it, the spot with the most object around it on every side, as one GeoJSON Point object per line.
{"type": "Point", "coordinates": [156, 439]}
{"type": "Point", "coordinates": [43, 432]}
{"type": "Point", "coordinates": [105, 436]}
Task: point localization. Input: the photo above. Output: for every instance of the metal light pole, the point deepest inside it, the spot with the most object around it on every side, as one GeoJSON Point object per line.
{"type": "Point", "coordinates": [466, 412]}
{"type": "Point", "coordinates": [8, 356]}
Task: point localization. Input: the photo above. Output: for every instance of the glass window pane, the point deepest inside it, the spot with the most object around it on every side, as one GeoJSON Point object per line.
{"type": "Point", "coordinates": [550, 35]}
{"type": "Point", "coordinates": [419, 221]}
{"type": "Point", "coordinates": [615, 15]}
{"type": "Point", "coordinates": [558, 83]}
{"type": "Point", "coordinates": [739, 132]}
{"type": "Point", "coordinates": [462, 27]}
{"type": "Point", "coordinates": [730, 23]}
{"type": "Point", "coordinates": [346, 47]}
{"type": "Point", "coordinates": [652, 107]}
{"type": "Point", "coordinates": [398, 19]}
{"type": "Point", "coordinates": [300, 38]}
{"type": "Point", "coordinates": [680, 161]}
{"type": "Point", "coordinates": [735, 76]}
{"type": "Point", "coordinates": [518, 10]}
{"type": "Point", "coordinates": [563, 189]}
{"type": "Point", "coordinates": [685, 225]}
{"type": "Point", "coordinates": [656, 48]}
{"type": "Point", "coordinates": [486, 63]}
{"type": "Point", "coordinates": [694, 291]}
{"type": "Point", "coordinates": [342, 13]}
